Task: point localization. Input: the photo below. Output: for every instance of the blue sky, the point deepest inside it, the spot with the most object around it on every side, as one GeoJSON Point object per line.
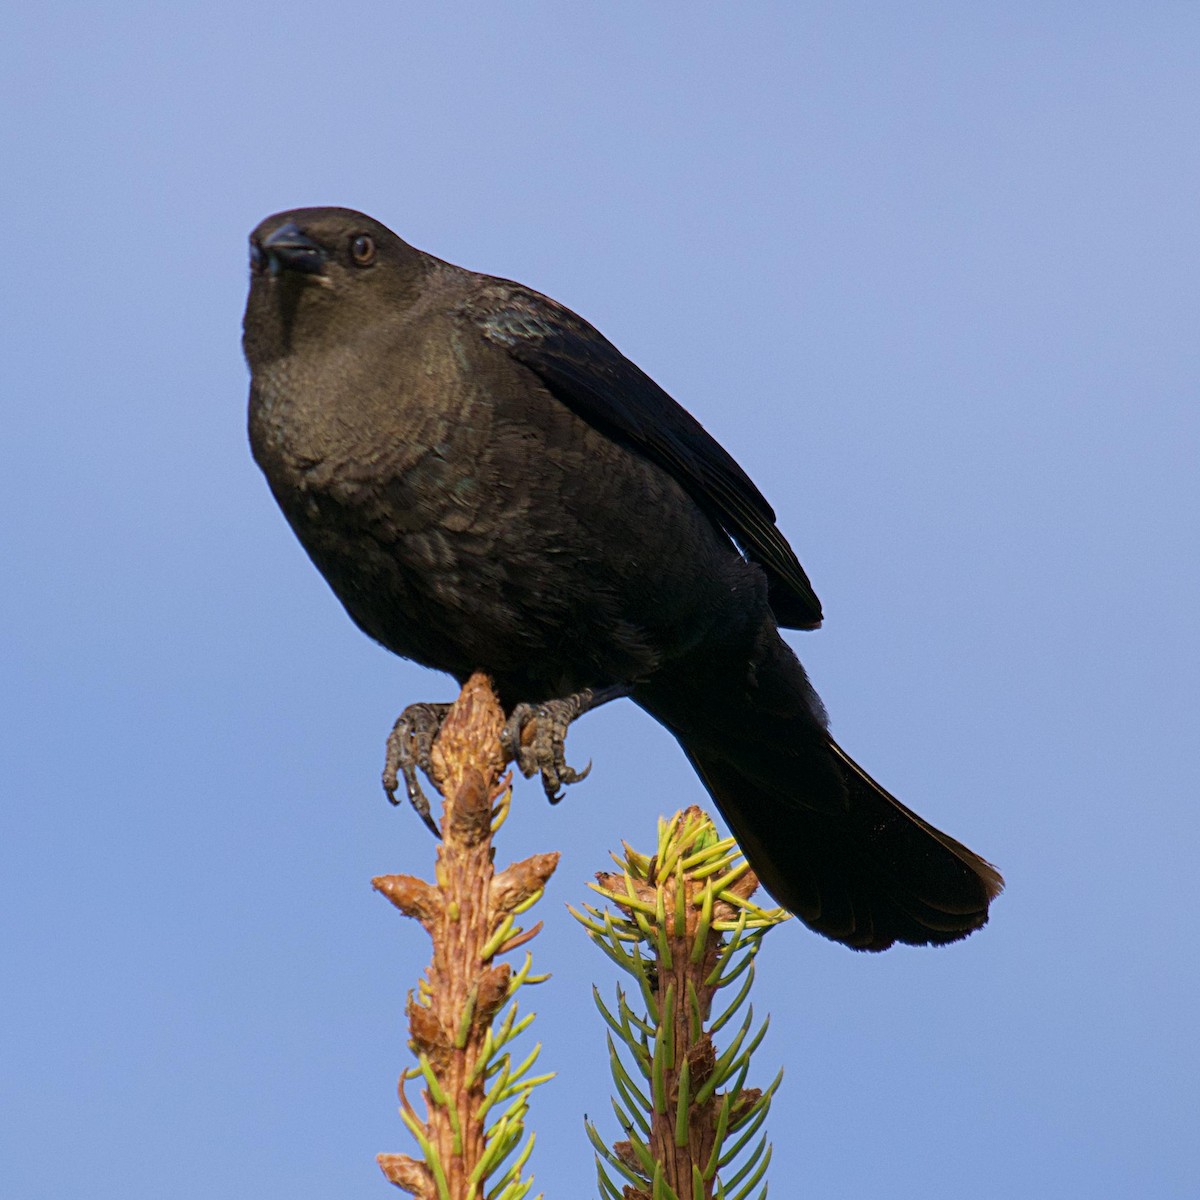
{"type": "Point", "coordinates": [930, 272]}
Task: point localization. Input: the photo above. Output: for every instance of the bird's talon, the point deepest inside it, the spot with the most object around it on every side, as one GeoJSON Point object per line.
{"type": "Point", "coordinates": [570, 775]}
{"type": "Point", "coordinates": [541, 751]}
{"type": "Point", "coordinates": [409, 747]}
{"type": "Point", "coordinates": [390, 784]}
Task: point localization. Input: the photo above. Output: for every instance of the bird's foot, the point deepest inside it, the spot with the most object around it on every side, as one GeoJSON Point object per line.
{"type": "Point", "coordinates": [409, 746]}
{"type": "Point", "coordinates": [534, 737]}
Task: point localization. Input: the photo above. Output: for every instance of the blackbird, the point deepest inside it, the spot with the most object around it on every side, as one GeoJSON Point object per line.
{"type": "Point", "coordinates": [487, 483]}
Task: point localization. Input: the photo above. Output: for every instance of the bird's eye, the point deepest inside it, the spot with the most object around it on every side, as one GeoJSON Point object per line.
{"type": "Point", "coordinates": [362, 249]}
{"type": "Point", "coordinates": [258, 259]}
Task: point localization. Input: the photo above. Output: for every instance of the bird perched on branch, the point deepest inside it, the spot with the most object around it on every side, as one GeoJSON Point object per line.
{"type": "Point", "coordinates": [487, 483]}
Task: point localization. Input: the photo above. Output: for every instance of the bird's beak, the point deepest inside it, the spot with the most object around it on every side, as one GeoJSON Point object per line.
{"type": "Point", "coordinates": [290, 249]}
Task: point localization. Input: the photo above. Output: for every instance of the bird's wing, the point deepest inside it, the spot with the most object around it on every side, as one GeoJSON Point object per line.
{"type": "Point", "coordinates": [592, 377]}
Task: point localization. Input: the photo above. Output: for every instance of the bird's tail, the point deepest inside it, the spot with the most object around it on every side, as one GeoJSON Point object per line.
{"type": "Point", "coordinates": [870, 875]}
{"type": "Point", "coordinates": [826, 840]}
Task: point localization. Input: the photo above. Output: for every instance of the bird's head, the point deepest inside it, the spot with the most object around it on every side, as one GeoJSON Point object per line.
{"type": "Point", "coordinates": [323, 273]}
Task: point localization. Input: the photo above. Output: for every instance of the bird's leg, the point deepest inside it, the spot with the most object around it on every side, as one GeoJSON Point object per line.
{"type": "Point", "coordinates": [534, 736]}
{"type": "Point", "coordinates": [408, 747]}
